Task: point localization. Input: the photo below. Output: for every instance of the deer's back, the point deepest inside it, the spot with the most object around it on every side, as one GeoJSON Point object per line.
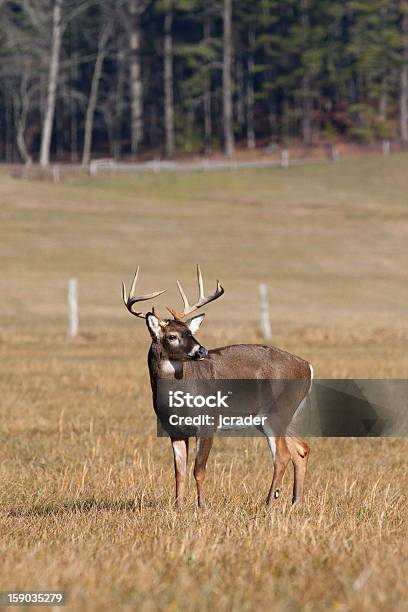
{"type": "Point", "coordinates": [248, 361]}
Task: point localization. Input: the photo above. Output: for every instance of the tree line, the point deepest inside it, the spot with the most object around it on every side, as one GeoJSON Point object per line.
{"type": "Point", "coordinates": [129, 78]}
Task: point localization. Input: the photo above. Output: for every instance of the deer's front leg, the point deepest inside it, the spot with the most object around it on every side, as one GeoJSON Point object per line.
{"type": "Point", "coordinates": [180, 453]}
{"type": "Point", "coordinates": [202, 451]}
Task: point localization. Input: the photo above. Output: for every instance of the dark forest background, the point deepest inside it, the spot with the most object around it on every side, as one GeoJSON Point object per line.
{"type": "Point", "coordinates": [136, 78]}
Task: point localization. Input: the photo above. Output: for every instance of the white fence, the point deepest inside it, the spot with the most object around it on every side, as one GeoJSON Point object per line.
{"type": "Point", "coordinates": [61, 171]}
{"type": "Point", "coordinates": [98, 166]}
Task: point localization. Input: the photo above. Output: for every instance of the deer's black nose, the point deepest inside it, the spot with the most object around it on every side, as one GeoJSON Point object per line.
{"type": "Point", "coordinates": [201, 353]}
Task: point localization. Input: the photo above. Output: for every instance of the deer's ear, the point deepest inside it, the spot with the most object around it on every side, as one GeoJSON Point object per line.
{"type": "Point", "coordinates": [194, 323]}
{"type": "Point", "coordinates": [153, 325]}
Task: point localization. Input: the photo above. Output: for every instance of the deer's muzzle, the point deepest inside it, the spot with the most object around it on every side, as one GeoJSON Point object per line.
{"type": "Point", "coordinates": [198, 354]}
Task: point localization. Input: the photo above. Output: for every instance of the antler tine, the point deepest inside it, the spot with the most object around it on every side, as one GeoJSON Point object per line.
{"type": "Point", "coordinates": [131, 299]}
{"type": "Point", "coordinates": [133, 287]}
{"type": "Point", "coordinates": [202, 299]}
{"type": "Point", "coordinates": [183, 295]}
{"type": "Point", "coordinates": [200, 284]}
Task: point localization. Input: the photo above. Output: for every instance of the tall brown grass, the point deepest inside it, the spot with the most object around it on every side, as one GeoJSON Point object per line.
{"type": "Point", "coordinates": [86, 487]}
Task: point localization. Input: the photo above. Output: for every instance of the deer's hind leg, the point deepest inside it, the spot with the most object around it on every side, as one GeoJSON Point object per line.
{"type": "Point", "coordinates": [299, 453]}
{"type": "Point", "coordinates": [280, 455]}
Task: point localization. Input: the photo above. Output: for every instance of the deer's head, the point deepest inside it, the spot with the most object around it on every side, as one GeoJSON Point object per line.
{"type": "Point", "coordinates": [174, 336]}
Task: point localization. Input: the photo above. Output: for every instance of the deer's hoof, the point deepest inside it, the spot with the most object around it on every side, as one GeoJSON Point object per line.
{"type": "Point", "coordinates": [272, 497]}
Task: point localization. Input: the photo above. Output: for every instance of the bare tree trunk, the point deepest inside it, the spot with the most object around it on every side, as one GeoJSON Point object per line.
{"type": "Point", "coordinates": [52, 85]}
{"type": "Point", "coordinates": [268, 75]}
{"type": "Point", "coordinates": [240, 98]}
{"type": "Point", "coordinates": [117, 144]}
{"type": "Point", "coordinates": [73, 128]}
{"type": "Point", "coordinates": [21, 109]}
{"type": "Point", "coordinates": [136, 7]}
{"type": "Point", "coordinates": [306, 82]}
{"type": "Point", "coordinates": [383, 99]}
{"type": "Point", "coordinates": [189, 130]}
{"type": "Point", "coordinates": [72, 103]}
{"type": "Point", "coordinates": [155, 139]}
{"type": "Point", "coordinates": [73, 132]}
{"type": "Point", "coordinates": [21, 143]}
{"type": "Point", "coordinates": [59, 129]}
{"type": "Point", "coordinates": [285, 120]}
{"type": "Point", "coordinates": [93, 96]}
{"type": "Point", "coordinates": [22, 148]}
{"type": "Point", "coordinates": [9, 129]}
{"type": "Point", "coordinates": [207, 92]}
{"type": "Point", "coordinates": [383, 102]}
{"type": "Point", "coordinates": [307, 110]}
{"type": "Point", "coordinates": [227, 81]}
{"type": "Point", "coordinates": [404, 79]}
{"type": "Point", "coordinates": [250, 93]}
{"type": "Point", "coordinates": [168, 84]}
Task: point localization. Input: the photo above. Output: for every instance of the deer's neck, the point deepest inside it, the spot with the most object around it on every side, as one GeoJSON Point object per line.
{"type": "Point", "coordinates": [161, 367]}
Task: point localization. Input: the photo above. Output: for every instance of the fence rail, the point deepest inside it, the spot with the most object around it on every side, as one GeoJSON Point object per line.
{"type": "Point", "coordinates": [111, 166]}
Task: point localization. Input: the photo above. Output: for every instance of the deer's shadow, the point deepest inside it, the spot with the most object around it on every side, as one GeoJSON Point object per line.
{"type": "Point", "coordinates": [136, 504]}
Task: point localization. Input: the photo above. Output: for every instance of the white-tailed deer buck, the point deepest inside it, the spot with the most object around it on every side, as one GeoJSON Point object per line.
{"type": "Point", "coordinates": [175, 353]}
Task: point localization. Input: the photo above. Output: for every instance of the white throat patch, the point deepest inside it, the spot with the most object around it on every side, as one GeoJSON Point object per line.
{"type": "Point", "coordinates": [171, 367]}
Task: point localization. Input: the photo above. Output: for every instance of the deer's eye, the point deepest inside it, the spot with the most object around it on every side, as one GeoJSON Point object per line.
{"type": "Point", "coordinates": [172, 337]}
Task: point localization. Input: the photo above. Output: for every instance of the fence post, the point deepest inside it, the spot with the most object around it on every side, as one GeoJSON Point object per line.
{"type": "Point", "coordinates": [93, 168]}
{"type": "Point", "coordinates": [264, 311]}
{"type": "Point", "coordinates": [334, 152]}
{"type": "Point", "coordinates": [73, 307]}
{"type": "Point", "coordinates": [386, 148]}
{"type": "Point", "coordinates": [55, 173]}
{"type": "Point", "coordinates": [285, 159]}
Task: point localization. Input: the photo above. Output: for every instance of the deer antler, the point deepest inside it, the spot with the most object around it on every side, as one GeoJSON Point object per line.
{"type": "Point", "coordinates": [202, 299]}
{"type": "Point", "coordinates": [131, 299]}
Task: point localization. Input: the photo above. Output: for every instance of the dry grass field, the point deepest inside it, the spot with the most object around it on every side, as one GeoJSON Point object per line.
{"type": "Point", "coordinates": [86, 487]}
